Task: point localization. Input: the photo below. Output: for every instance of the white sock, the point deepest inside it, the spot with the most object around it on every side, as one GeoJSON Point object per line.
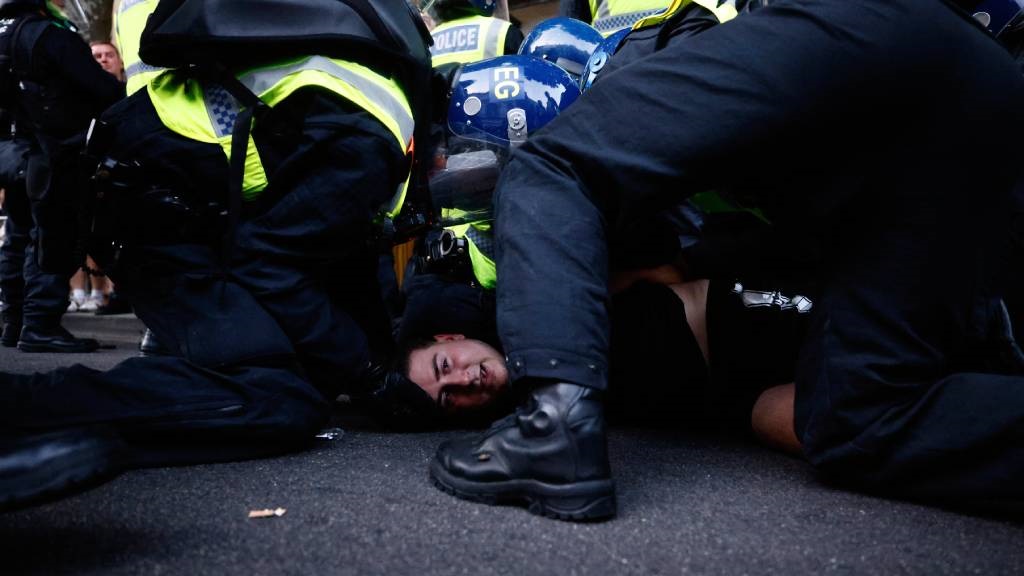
{"type": "Point", "coordinates": [78, 295]}
{"type": "Point", "coordinates": [96, 295]}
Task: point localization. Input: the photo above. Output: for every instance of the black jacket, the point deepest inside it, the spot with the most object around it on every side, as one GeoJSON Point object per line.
{"type": "Point", "coordinates": [60, 86]}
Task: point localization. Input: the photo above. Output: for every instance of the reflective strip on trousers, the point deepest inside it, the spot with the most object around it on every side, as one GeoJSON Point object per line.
{"type": "Point", "coordinates": [758, 299]}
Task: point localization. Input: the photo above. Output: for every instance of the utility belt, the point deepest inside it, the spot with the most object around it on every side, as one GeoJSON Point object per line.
{"type": "Point", "coordinates": [130, 206]}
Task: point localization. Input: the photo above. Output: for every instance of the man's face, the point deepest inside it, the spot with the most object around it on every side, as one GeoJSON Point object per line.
{"type": "Point", "coordinates": [459, 374]}
{"type": "Point", "coordinates": [108, 58]}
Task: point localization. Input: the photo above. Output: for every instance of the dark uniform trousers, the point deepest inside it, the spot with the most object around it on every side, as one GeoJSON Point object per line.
{"type": "Point", "coordinates": [885, 131]}
{"type": "Point", "coordinates": [266, 335]}
{"type": "Point", "coordinates": [30, 295]}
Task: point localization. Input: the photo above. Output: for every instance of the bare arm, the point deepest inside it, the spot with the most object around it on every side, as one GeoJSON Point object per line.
{"type": "Point", "coordinates": [772, 419]}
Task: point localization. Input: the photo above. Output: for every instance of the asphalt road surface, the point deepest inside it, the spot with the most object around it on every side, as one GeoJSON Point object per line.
{"type": "Point", "coordinates": [361, 504]}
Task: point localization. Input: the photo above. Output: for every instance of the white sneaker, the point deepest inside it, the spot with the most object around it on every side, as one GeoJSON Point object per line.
{"type": "Point", "coordinates": [90, 305]}
{"type": "Point", "coordinates": [75, 304]}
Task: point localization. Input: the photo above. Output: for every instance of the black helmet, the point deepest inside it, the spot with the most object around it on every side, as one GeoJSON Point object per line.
{"type": "Point", "coordinates": [189, 32]}
{"type": "Point", "coordinates": [452, 9]}
{"type": "Point", "coordinates": [385, 35]}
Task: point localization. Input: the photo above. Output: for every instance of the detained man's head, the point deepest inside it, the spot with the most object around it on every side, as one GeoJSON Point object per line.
{"type": "Point", "coordinates": [108, 58]}
{"type": "Point", "coordinates": [462, 375]}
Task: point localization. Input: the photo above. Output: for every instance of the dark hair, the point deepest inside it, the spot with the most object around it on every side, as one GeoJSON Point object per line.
{"type": "Point", "coordinates": [454, 9]}
{"type": "Point", "coordinates": [404, 352]}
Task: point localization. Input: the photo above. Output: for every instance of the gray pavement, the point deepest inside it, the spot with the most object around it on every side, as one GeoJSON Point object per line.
{"type": "Point", "coordinates": [362, 504]}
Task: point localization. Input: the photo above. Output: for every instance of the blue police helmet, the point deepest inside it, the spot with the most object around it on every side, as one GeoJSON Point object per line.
{"type": "Point", "coordinates": [600, 57]}
{"type": "Point", "coordinates": [495, 105]}
{"type": "Point", "coordinates": [502, 100]}
{"type": "Point", "coordinates": [996, 15]}
{"type": "Point", "coordinates": [563, 41]}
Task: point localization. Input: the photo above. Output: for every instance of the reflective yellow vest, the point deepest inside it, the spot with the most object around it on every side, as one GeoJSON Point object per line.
{"type": "Point", "coordinates": [206, 112]}
{"type": "Point", "coordinates": [480, 242]}
{"type": "Point", "coordinates": [610, 16]}
{"type": "Point", "coordinates": [470, 39]}
{"type": "Point", "coordinates": [129, 22]}
{"type": "Point", "coordinates": [724, 10]}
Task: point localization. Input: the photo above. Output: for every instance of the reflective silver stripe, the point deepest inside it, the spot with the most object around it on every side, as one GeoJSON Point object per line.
{"type": "Point", "coordinates": [491, 48]}
{"type": "Point", "coordinates": [602, 10]}
{"type": "Point", "coordinates": [260, 81]}
{"type": "Point", "coordinates": [222, 108]}
{"type": "Point", "coordinates": [127, 5]}
{"type": "Point", "coordinates": [140, 68]}
{"type": "Point", "coordinates": [620, 21]}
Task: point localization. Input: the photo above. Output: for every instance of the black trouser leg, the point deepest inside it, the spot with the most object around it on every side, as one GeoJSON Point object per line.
{"type": "Point", "coordinates": [46, 294]}
{"type": "Point", "coordinates": [235, 390]}
{"type": "Point", "coordinates": [12, 253]}
{"type": "Point", "coordinates": [307, 260]}
{"type": "Point", "coordinates": [552, 295]}
{"type": "Point", "coordinates": [901, 386]}
{"type": "Point", "coordinates": [173, 410]}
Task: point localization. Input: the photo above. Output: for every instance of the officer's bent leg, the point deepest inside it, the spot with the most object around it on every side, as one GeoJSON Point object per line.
{"type": "Point", "coordinates": [173, 410]}
{"type": "Point", "coordinates": [234, 378]}
{"type": "Point", "coordinates": [317, 232]}
{"type": "Point", "coordinates": [553, 282]}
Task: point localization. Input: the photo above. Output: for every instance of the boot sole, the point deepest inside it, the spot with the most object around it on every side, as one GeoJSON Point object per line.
{"type": "Point", "coordinates": [46, 348]}
{"type": "Point", "coordinates": [60, 477]}
{"type": "Point", "coordinates": [579, 502]}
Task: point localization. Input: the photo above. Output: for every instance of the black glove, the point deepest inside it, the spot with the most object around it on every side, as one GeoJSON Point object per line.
{"type": "Point", "coordinates": [396, 402]}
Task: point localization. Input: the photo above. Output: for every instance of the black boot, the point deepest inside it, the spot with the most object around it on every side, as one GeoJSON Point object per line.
{"type": "Point", "coordinates": [11, 333]}
{"type": "Point", "coordinates": [550, 456]}
{"type": "Point", "coordinates": [43, 466]}
{"type": "Point", "coordinates": [150, 345]}
{"type": "Point", "coordinates": [12, 326]}
{"type": "Point", "coordinates": [54, 340]}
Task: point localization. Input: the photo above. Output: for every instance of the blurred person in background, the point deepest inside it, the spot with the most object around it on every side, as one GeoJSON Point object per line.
{"type": "Point", "coordinates": [55, 89]}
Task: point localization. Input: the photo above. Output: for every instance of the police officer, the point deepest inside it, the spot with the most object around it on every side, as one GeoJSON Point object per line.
{"type": "Point", "coordinates": [130, 17]}
{"type": "Point", "coordinates": [610, 16]}
{"type": "Point", "coordinates": [908, 380]}
{"type": "Point", "coordinates": [54, 89]}
{"type": "Point", "coordinates": [566, 42]}
{"type": "Point", "coordinates": [238, 205]}
{"type": "Point", "coordinates": [493, 107]}
{"type": "Point", "coordinates": [469, 32]}
{"type": "Point", "coordinates": [129, 20]}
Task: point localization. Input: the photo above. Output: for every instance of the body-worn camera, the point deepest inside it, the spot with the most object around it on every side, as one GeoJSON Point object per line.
{"type": "Point", "coordinates": [447, 254]}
